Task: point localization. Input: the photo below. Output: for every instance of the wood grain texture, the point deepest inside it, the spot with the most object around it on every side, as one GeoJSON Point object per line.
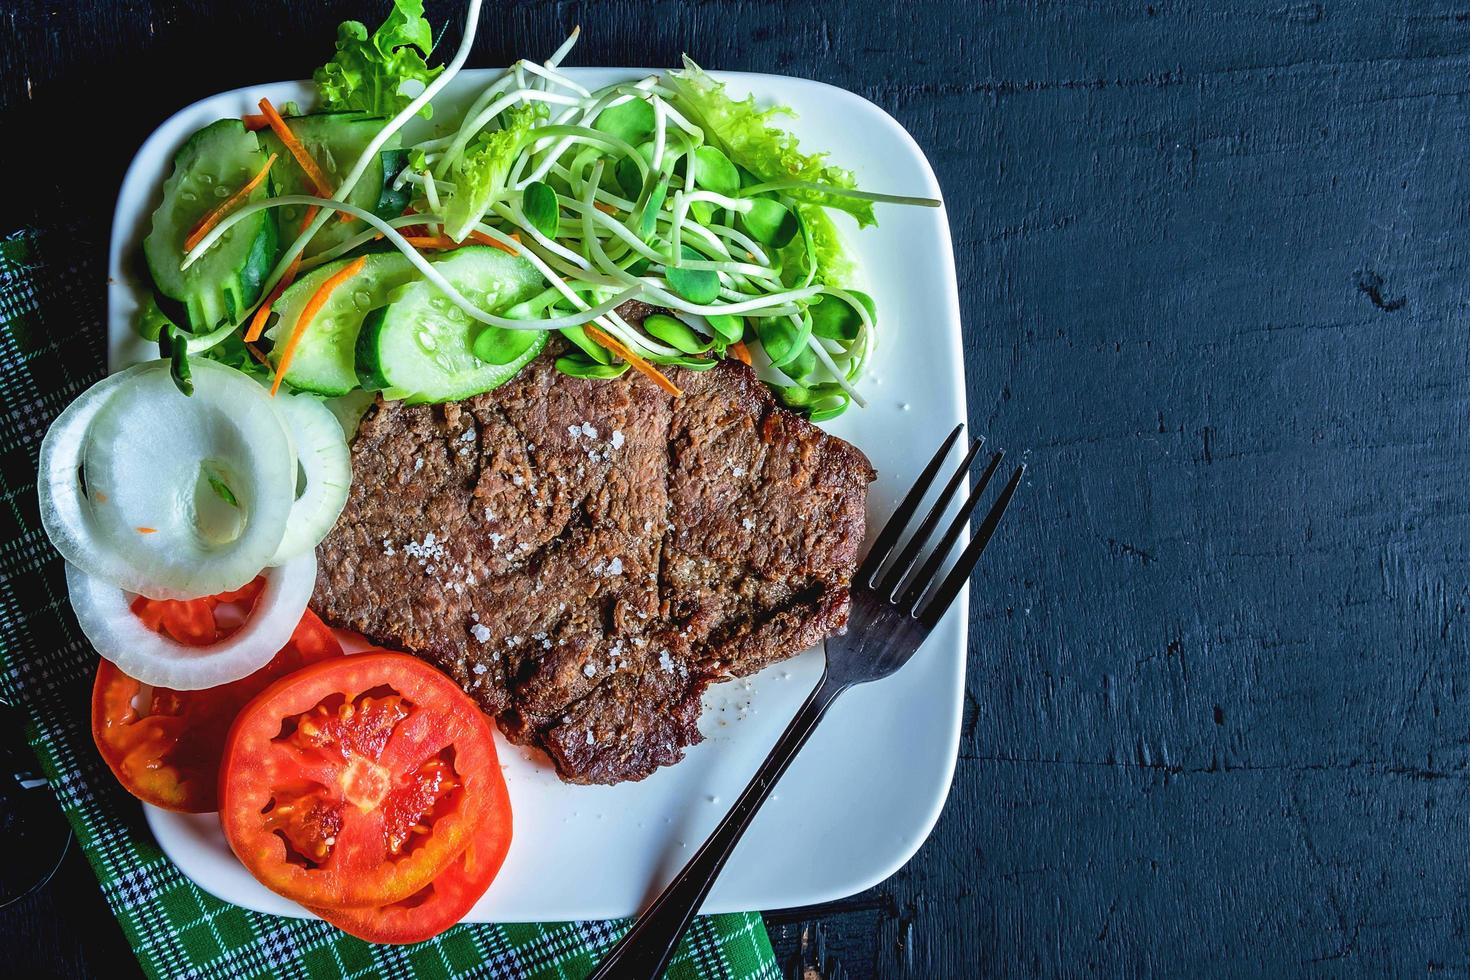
{"type": "Point", "coordinates": [1213, 260]}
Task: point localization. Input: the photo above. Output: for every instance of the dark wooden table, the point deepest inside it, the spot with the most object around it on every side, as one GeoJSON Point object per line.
{"type": "Point", "coordinates": [1214, 262]}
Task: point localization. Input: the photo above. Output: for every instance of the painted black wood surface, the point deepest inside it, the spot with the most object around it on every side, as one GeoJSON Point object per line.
{"type": "Point", "coordinates": [1213, 259]}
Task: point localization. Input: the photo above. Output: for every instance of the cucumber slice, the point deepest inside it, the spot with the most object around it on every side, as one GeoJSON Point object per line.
{"type": "Point", "coordinates": [334, 140]}
{"type": "Point", "coordinates": [421, 347]}
{"type": "Point", "coordinates": [323, 359]}
{"type": "Point", "coordinates": [226, 281]}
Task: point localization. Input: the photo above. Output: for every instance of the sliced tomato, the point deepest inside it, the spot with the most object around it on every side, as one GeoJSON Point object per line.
{"type": "Point", "coordinates": [448, 898]}
{"type": "Point", "coordinates": [165, 746]}
{"type": "Point", "coordinates": [355, 782]}
{"type": "Point", "coordinates": [197, 622]}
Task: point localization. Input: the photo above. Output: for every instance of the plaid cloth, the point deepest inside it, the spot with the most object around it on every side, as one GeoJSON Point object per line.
{"type": "Point", "coordinates": [50, 351]}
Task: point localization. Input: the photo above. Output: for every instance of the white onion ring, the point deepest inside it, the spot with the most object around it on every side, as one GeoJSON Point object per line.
{"type": "Point", "coordinates": [326, 462]}
{"type": "Point", "coordinates": [149, 523]}
{"type": "Point", "coordinates": [104, 612]}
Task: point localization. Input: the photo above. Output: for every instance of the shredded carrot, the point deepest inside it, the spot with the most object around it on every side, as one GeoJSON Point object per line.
{"type": "Point", "coordinates": [146, 530]}
{"type": "Point", "coordinates": [310, 310]}
{"type": "Point", "coordinates": [604, 207]}
{"type": "Point", "coordinates": [445, 242]}
{"type": "Point", "coordinates": [303, 159]}
{"type": "Point", "coordinates": [484, 239]}
{"type": "Point", "coordinates": [234, 201]}
{"type": "Point", "coordinates": [741, 353]}
{"type": "Point", "coordinates": [639, 363]}
{"type": "Point", "coordinates": [430, 241]}
{"type": "Point", "coordinates": [263, 312]}
{"type": "Point", "coordinates": [255, 120]}
{"type": "Point", "coordinates": [100, 497]}
{"type": "Point", "coordinates": [258, 354]}
{"type": "Point", "coordinates": [257, 322]}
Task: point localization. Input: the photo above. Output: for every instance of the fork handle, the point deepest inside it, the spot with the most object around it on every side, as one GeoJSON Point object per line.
{"type": "Point", "coordinates": [647, 948]}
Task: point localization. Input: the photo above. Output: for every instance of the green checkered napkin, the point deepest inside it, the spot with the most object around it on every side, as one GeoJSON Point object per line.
{"type": "Point", "coordinates": [51, 340]}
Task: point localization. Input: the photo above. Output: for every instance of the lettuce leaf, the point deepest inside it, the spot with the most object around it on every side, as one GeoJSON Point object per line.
{"type": "Point", "coordinates": [828, 254]}
{"type": "Point", "coordinates": [479, 174]}
{"type": "Point", "coordinates": [368, 73]}
{"type": "Point", "coordinates": [746, 134]}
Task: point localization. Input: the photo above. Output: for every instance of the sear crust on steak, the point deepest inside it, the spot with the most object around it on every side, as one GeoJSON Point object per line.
{"type": "Point", "coordinates": [586, 557]}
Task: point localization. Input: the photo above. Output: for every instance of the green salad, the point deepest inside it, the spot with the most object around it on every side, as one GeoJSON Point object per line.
{"type": "Point", "coordinates": [321, 250]}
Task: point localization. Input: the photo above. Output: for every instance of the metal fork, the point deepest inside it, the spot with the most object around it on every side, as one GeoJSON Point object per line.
{"type": "Point", "coordinates": [895, 605]}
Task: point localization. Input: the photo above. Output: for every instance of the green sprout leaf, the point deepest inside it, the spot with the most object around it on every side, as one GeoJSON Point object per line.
{"type": "Point", "coordinates": [802, 366]}
{"type": "Point", "coordinates": [781, 339]}
{"type": "Point", "coordinates": [727, 327]}
{"type": "Point", "coordinates": [539, 203]}
{"type": "Point", "coordinates": [496, 345]}
{"type": "Point", "coordinates": [577, 366]}
{"type": "Point", "coordinates": [675, 333]}
{"type": "Point", "coordinates": [714, 172]}
{"type": "Point", "coordinates": [594, 350]}
{"type": "Point", "coordinates": [835, 319]}
{"type": "Point", "coordinates": [770, 223]}
{"type": "Point", "coordinates": [695, 285]}
{"type": "Point", "coordinates": [631, 122]}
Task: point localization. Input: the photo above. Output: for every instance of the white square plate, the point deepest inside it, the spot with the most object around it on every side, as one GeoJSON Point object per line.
{"type": "Point", "coordinates": [866, 791]}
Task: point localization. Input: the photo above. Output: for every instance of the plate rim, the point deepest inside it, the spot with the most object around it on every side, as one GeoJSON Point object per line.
{"type": "Point", "coordinates": [122, 289]}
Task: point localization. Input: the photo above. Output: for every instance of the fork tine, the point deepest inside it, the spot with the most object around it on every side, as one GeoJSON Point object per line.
{"type": "Point", "coordinates": [891, 532]}
{"type": "Point", "coordinates": [934, 607]}
{"type": "Point", "coordinates": [920, 581]}
{"type": "Point", "coordinates": [898, 572]}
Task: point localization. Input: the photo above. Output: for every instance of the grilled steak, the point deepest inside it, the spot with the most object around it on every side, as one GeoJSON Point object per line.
{"type": "Point", "coordinates": [586, 557]}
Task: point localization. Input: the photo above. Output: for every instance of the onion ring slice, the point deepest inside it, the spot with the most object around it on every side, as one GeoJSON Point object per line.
{"type": "Point", "coordinates": [106, 617]}
{"type": "Point", "coordinates": [168, 496]}
{"type": "Point", "coordinates": [325, 462]}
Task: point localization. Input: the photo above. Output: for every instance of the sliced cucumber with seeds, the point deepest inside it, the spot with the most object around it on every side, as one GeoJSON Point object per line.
{"type": "Point", "coordinates": [334, 140]}
{"type": "Point", "coordinates": [422, 348]}
{"type": "Point", "coordinates": [323, 359]}
{"type": "Point", "coordinates": [226, 281]}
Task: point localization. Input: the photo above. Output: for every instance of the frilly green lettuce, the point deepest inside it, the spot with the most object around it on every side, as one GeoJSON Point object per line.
{"type": "Point", "coordinates": [368, 73]}
{"type": "Point", "coordinates": [479, 175]}
{"type": "Point", "coordinates": [744, 132]}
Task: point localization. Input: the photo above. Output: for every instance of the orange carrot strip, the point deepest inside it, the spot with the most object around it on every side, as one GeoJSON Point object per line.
{"type": "Point", "coordinates": [146, 530]}
{"type": "Point", "coordinates": [445, 242]}
{"type": "Point", "coordinates": [310, 310]}
{"type": "Point", "coordinates": [289, 140]}
{"type": "Point", "coordinates": [263, 313]}
{"type": "Point", "coordinates": [259, 355]}
{"type": "Point", "coordinates": [484, 239]}
{"type": "Point", "coordinates": [255, 120]}
{"type": "Point", "coordinates": [430, 241]}
{"type": "Point", "coordinates": [604, 207]}
{"type": "Point", "coordinates": [639, 363]}
{"type": "Point", "coordinates": [235, 200]}
{"type": "Point", "coordinates": [303, 159]}
{"type": "Point", "coordinates": [742, 354]}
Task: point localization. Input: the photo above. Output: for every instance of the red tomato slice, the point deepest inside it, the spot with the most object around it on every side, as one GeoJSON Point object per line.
{"type": "Point", "coordinates": [168, 751]}
{"type": "Point", "coordinates": [445, 900]}
{"type": "Point", "coordinates": [355, 782]}
{"type": "Point", "coordinates": [193, 621]}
